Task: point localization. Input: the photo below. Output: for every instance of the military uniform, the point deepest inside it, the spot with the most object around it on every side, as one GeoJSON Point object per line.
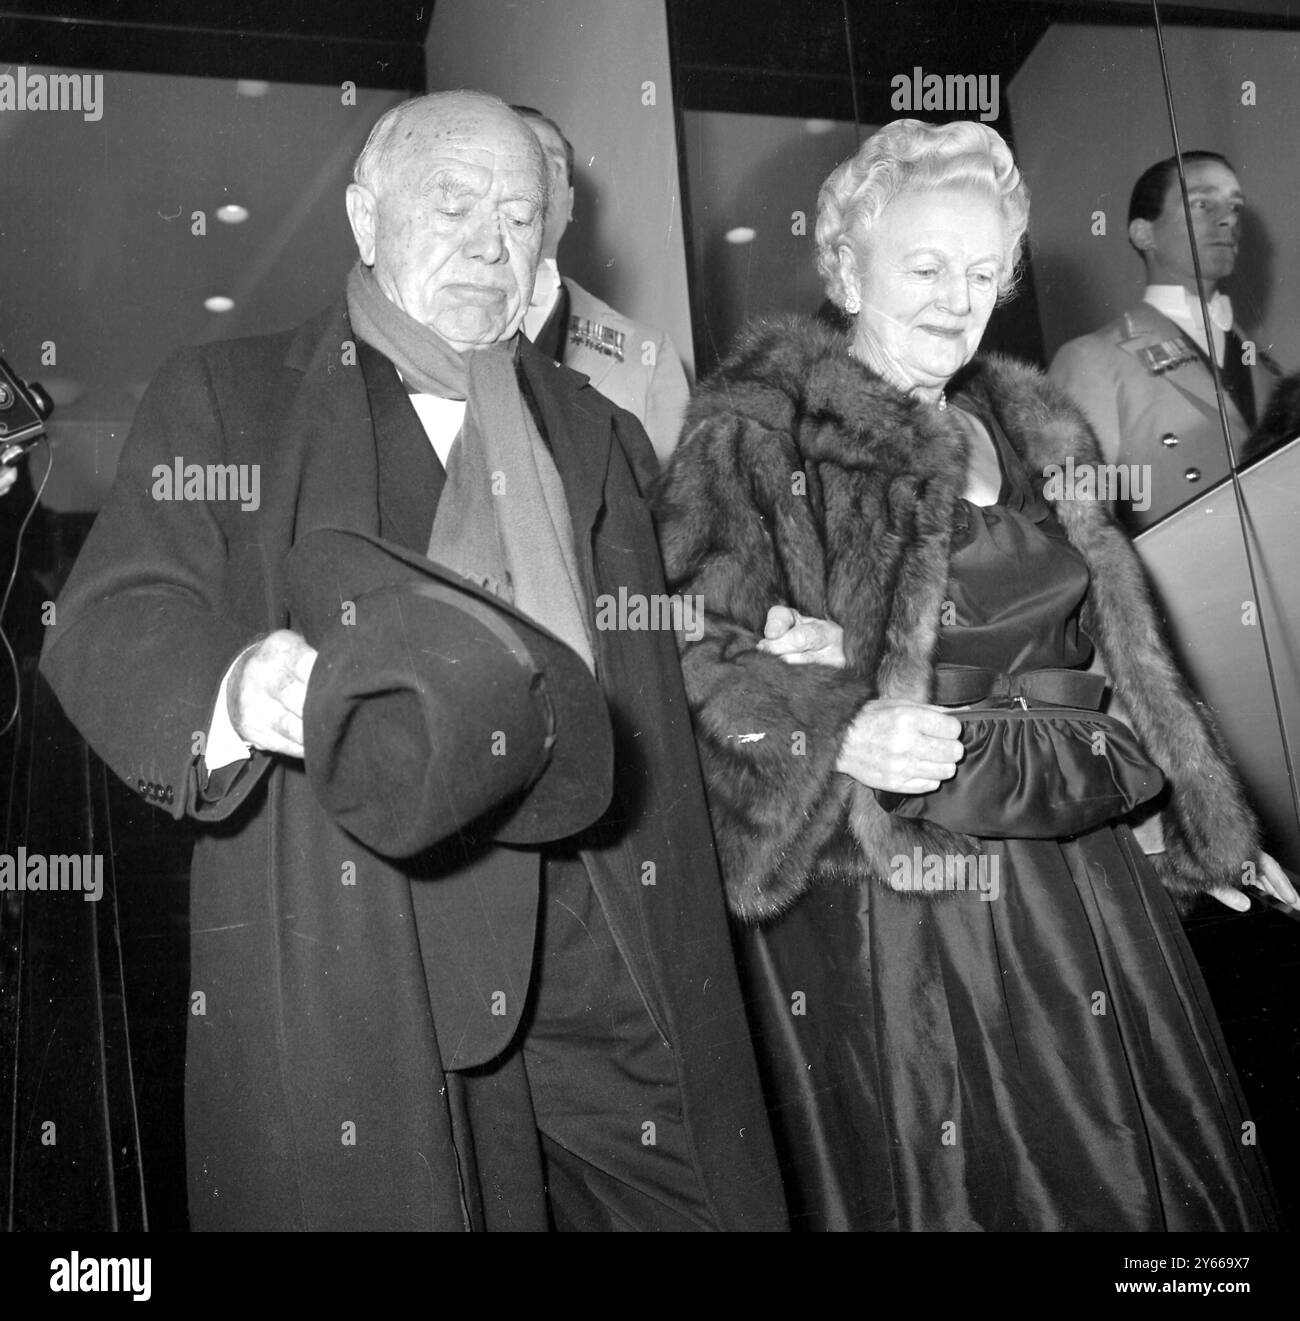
{"type": "Point", "coordinates": [633, 365]}
{"type": "Point", "coordinates": [1148, 392]}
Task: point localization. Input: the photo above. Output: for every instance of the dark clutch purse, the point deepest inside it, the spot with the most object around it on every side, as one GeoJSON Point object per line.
{"type": "Point", "coordinates": [1034, 768]}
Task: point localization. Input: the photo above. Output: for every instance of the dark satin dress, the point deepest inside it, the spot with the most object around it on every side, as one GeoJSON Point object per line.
{"type": "Point", "coordinates": [1046, 1060]}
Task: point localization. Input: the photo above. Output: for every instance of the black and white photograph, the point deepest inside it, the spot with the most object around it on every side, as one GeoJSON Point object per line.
{"type": "Point", "coordinates": [528, 529]}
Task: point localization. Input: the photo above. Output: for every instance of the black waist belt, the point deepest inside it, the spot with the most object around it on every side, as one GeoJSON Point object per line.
{"type": "Point", "coordinates": [962, 685]}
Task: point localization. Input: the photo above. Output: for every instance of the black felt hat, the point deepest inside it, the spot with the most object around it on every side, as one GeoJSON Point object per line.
{"type": "Point", "coordinates": [434, 706]}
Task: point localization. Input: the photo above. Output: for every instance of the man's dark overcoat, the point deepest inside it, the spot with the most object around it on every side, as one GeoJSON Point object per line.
{"type": "Point", "coordinates": [322, 1014]}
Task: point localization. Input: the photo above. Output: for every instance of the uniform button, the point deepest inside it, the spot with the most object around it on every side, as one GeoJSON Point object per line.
{"type": "Point", "coordinates": [1169, 440]}
{"type": "Point", "coordinates": [140, 788]}
{"type": "Point", "coordinates": [168, 795]}
{"type": "Point", "coordinates": [1193, 474]}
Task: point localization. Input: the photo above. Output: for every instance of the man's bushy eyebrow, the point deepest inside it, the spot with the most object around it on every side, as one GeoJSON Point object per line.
{"type": "Point", "coordinates": [449, 183]}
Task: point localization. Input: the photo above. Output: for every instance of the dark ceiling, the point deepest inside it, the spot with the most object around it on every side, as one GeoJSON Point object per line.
{"type": "Point", "coordinates": [375, 43]}
{"type": "Point", "coordinates": [810, 59]}
{"type": "Point", "coordinates": [792, 55]}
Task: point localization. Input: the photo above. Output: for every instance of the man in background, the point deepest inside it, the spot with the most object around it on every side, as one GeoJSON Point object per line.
{"type": "Point", "coordinates": [633, 365]}
{"type": "Point", "coordinates": [1144, 380]}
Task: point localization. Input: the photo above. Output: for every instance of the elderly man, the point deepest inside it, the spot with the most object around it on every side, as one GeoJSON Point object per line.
{"type": "Point", "coordinates": [1144, 379]}
{"type": "Point", "coordinates": [510, 1026]}
{"type": "Point", "coordinates": [632, 364]}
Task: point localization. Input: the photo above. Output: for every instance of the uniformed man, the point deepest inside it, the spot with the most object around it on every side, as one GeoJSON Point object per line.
{"type": "Point", "coordinates": [1144, 380]}
{"type": "Point", "coordinates": [633, 365]}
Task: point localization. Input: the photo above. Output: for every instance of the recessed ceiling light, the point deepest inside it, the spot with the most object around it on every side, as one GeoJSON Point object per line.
{"type": "Point", "coordinates": [232, 213]}
{"type": "Point", "coordinates": [252, 87]}
{"type": "Point", "coordinates": [219, 303]}
{"type": "Point", "coordinates": [741, 234]}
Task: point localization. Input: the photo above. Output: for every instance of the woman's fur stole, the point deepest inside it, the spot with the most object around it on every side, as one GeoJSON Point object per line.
{"type": "Point", "coordinates": [804, 479]}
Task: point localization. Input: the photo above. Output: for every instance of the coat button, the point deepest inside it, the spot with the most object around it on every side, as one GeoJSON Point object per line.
{"type": "Point", "coordinates": [1193, 474]}
{"type": "Point", "coordinates": [1169, 440]}
{"type": "Point", "coordinates": [168, 795]}
{"type": "Point", "coordinates": [140, 788]}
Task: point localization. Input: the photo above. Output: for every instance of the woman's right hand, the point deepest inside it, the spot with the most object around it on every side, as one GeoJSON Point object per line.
{"type": "Point", "coordinates": [901, 747]}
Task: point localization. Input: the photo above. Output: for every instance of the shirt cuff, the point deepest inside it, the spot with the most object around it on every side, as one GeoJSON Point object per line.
{"type": "Point", "coordinates": [224, 747]}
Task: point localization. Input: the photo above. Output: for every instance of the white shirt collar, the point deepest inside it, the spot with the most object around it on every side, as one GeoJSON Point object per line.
{"type": "Point", "coordinates": [1185, 310]}
{"type": "Point", "coordinates": [546, 292]}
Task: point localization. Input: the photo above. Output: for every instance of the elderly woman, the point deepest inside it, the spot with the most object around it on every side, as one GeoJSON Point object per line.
{"type": "Point", "coordinates": [974, 1003]}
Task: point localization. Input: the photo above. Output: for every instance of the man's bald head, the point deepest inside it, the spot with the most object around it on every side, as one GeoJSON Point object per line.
{"type": "Point", "coordinates": [408, 128]}
{"type": "Point", "coordinates": [447, 205]}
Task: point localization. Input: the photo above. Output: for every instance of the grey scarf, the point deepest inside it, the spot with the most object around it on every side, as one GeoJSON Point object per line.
{"type": "Point", "coordinates": [503, 520]}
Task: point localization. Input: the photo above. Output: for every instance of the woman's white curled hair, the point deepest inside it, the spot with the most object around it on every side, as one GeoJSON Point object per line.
{"type": "Point", "coordinates": [909, 155]}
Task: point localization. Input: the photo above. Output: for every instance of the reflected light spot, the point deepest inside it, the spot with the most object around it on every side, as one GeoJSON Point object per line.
{"type": "Point", "coordinates": [741, 234]}
{"type": "Point", "coordinates": [219, 303]}
{"type": "Point", "coordinates": [232, 214]}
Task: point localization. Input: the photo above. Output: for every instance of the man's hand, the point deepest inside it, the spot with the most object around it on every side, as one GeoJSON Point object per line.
{"type": "Point", "coordinates": [901, 747]}
{"type": "Point", "coordinates": [801, 639]}
{"type": "Point", "coordinates": [267, 688]}
{"type": "Point", "coordinates": [1270, 878]}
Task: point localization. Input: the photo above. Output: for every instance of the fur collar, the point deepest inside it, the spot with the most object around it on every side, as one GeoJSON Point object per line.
{"type": "Point", "coordinates": [795, 367]}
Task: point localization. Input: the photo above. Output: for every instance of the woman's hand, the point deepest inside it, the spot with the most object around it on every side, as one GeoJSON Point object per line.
{"type": "Point", "coordinates": [901, 747]}
{"type": "Point", "coordinates": [1269, 878]}
{"type": "Point", "coordinates": [802, 639]}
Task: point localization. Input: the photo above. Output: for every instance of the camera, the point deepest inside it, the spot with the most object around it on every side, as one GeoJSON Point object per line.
{"type": "Point", "coordinates": [24, 407]}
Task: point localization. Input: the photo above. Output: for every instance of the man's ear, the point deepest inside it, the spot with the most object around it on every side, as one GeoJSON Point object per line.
{"type": "Point", "coordinates": [570, 215]}
{"type": "Point", "coordinates": [363, 212]}
{"type": "Point", "coordinates": [1139, 235]}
